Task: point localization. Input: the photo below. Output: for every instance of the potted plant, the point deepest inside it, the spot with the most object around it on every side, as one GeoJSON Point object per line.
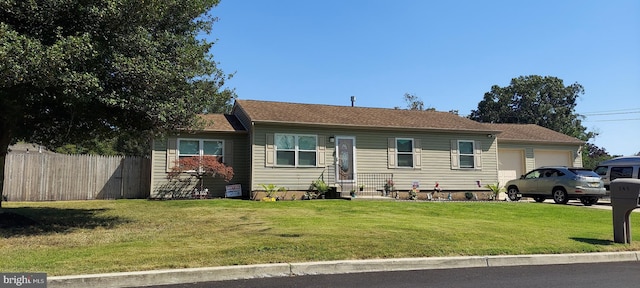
{"type": "Point", "coordinates": [413, 194]}
{"type": "Point", "coordinates": [361, 187]}
{"type": "Point", "coordinates": [388, 187]}
{"type": "Point", "coordinates": [468, 195]}
{"type": "Point", "coordinates": [353, 193]}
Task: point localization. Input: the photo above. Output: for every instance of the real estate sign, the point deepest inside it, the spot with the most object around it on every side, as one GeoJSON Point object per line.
{"type": "Point", "coordinates": [234, 190]}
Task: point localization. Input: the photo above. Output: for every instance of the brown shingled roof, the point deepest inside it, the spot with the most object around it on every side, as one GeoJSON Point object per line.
{"type": "Point", "coordinates": [222, 123]}
{"type": "Point", "coordinates": [329, 115]}
{"type": "Point", "coordinates": [531, 133]}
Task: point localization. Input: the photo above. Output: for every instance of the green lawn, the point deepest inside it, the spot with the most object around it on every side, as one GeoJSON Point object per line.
{"type": "Point", "coordinates": [65, 238]}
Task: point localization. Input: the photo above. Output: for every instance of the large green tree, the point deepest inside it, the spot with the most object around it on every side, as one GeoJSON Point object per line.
{"type": "Point", "coordinates": [534, 99]}
{"type": "Point", "coordinates": [77, 70]}
{"type": "Point", "coordinates": [592, 155]}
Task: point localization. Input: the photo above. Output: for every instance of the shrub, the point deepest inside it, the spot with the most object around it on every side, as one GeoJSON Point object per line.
{"type": "Point", "coordinates": [270, 190]}
{"type": "Point", "coordinates": [317, 189]}
{"type": "Point", "coordinates": [495, 189]}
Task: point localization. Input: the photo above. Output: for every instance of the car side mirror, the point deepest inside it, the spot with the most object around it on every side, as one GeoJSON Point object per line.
{"type": "Point", "coordinates": [521, 176]}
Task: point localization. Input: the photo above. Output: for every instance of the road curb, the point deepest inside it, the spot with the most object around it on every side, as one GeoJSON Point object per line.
{"type": "Point", "coordinates": [193, 275]}
{"type": "Point", "coordinates": [170, 276]}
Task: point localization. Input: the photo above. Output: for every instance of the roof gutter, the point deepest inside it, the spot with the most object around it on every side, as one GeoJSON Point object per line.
{"type": "Point", "coordinates": [333, 125]}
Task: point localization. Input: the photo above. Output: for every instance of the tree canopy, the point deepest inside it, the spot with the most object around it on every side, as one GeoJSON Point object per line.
{"type": "Point", "coordinates": [592, 155]}
{"type": "Point", "coordinates": [535, 100]}
{"type": "Point", "coordinates": [414, 103]}
{"type": "Point", "coordinates": [80, 70]}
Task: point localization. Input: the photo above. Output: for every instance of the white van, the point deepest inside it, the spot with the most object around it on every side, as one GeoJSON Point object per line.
{"type": "Point", "coordinates": [620, 167]}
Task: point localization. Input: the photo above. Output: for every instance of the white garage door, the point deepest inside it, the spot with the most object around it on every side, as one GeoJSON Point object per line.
{"type": "Point", "coordinates": [511, 160]}
{"type": "Point", "coordinates": [552, 158]}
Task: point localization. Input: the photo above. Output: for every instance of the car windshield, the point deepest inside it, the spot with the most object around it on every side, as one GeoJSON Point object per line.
{"type": "Point", "coordinates": [584, 172]}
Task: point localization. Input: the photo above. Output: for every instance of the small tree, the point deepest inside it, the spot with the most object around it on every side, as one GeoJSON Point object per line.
{"type": "Point", "coordinates": [495, 189]}
{"type": "Point", "coordinates": [200, 167]}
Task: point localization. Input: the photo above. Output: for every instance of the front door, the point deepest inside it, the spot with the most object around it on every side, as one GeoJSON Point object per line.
{"type": "Point", "coordinates": [345, 156]}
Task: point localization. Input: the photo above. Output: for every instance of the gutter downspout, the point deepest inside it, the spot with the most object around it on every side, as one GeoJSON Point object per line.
{"type": "Point", "coordinates": [251, 161]}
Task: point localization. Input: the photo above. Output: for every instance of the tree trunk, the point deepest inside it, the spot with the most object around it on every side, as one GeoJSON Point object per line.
{"type": "Point", "coordinates": [3, 156]}
{"type": "Point", "coordinates": [6, 130]}
{"type": "Point", "coordinates": [2, 160]}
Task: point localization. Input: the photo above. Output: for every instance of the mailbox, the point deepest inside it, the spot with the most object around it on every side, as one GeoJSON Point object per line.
{"type": "Point", "coordinates": [624, 198]}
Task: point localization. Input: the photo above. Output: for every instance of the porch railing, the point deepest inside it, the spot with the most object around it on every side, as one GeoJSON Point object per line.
{"type": "Point", "coordinates": [372, 184]}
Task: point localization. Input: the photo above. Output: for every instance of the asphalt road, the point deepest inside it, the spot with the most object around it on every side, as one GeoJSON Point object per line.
{"type": "Point", "coordinates": [611, 274]}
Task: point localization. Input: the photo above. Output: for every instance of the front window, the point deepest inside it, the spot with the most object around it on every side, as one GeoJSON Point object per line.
{"type": "Point", "coordinates": [296, 150]}
{"type": "Point", "coordinates": [466, 154]}
{"type": "Point", "coordinates": [404, 148]}
{"type": "Point", "coordinates": [200, 147]}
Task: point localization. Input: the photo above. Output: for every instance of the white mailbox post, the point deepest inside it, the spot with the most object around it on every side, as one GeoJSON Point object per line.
{"type": "Point", "coordinates": [624, 198]}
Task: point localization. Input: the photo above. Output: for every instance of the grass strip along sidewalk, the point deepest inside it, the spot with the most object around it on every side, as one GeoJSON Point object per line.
{"type": "Point", "coordinates": [83, 237]}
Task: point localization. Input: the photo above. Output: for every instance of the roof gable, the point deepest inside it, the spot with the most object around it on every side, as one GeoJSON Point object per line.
{"type": "Point", "coordinates": [330, 115]}
{"type": "Point", "coordinates": [222, 123]}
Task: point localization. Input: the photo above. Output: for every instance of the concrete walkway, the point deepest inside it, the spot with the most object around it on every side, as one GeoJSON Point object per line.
{"type": "Point", "coordinates": [177, 276]}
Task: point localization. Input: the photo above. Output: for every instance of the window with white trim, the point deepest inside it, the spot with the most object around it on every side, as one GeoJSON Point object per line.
{"type": "Point", "coordinates": [296, 150]}
{"type": "Point", "coordinates": [404, 152]}
{"type": "Point", "coordinates": [466, 156]}
{"type": "Point", "coordinates": [200, 147]}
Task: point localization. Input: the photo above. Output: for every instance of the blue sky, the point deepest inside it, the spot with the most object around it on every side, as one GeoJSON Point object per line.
{"type": "Point", "coordinates": [448, 53]}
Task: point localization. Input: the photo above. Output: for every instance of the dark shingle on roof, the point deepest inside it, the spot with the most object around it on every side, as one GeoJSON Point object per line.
{"type": "Point", "coordinates": [531, 133]}
{"type": "Point", "coordinates": [316, 114]}
{"type": "Point", "coordinates": [222, 123]}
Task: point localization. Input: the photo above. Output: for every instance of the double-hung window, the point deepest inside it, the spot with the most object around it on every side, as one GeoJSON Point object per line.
{"type": "Point", "coordinates": [404, 152]}
{"type": "Point", "coordinates": [296, 150]}
{"type": "Point", "coordinates": [467, 156]}
{"type": "Point", "coordinates": [200, 147]}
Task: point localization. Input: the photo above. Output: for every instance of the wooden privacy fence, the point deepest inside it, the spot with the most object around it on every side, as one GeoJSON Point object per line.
{"type": "Point", "coordinates": [52, 177]}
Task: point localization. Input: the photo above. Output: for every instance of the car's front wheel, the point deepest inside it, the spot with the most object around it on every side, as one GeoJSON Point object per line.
{"type": "Point", "coordinates": [560, 196]}
{"type": "Point", "coordinates": [539, 198]}
{"type": "Point", "coordinates": [512, 193]}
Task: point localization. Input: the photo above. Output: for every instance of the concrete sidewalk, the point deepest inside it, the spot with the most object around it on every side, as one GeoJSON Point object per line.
{"type": "Point", "coordinates": [177, 276]}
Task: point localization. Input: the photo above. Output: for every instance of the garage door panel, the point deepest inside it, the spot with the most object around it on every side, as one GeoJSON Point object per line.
{"type": "Point", "coordinates": [552, 158]}
{"type": "Point", "coordinates": [511, 162]}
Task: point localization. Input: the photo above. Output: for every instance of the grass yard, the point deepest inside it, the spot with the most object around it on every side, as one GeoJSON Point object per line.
{"type": "Point", "coordinates": [67, 238]}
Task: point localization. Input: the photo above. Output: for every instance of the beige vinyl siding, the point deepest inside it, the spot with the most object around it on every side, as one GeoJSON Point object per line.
{"type": "Point", "coordinates": [436, 166]}
{"type": "Point", "coordinates": [372, 157]}
{"type": "Point", "coordinates": [435, 158]}
{"type": "Point", "coordinates": [236, 148]}
{"type": "Point", "coordinates": [292, 178]}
